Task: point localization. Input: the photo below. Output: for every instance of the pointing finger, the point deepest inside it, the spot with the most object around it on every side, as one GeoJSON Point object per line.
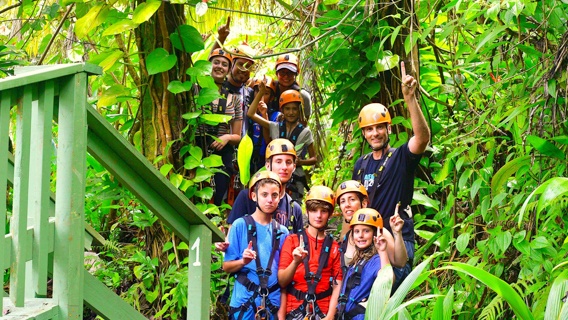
{"type": "Point", "coordinates": [301, 242]}
{"type": "Point", "coordinates": [250, 245]}
{"type": "Point", "coordinates": [228, 21]}
{"type": "Point", "coordinates": [402, 70]}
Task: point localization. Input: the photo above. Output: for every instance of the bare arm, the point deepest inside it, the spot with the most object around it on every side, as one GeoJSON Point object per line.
{"type": "Point", "coordinates": [417, 144]}
{"type": "Point", "coordinates": [333, 302]}
{"type": "Point", "coordinates": [400, 255]}
{"type": "Point", "coordinates": [236, 265]}
{"type": "Point", "coordinates": [311, 160]}
{"type": "Point", "coordinates": [251, 113]}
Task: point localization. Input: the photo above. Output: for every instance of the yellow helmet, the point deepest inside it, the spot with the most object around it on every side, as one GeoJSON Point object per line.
{"type": "Point", "coordinates": [373, 113]}
{"type": "Point", "coordinates": [243, 51]}
{"type": "Point", "coordinates": [280, 146]}
{"type": "Point", "coordinates": [367, 216]}
{"type": "Point", "coordinates": [265, 174]}
{"type": "Point", "coordinates": [351, 186]}
{"type": "Point", "coordinates": [322, 193]}
{"type": "Point", "coordinates": [290, 96]}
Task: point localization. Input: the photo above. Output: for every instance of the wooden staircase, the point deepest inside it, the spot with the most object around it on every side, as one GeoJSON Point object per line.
{"type": "Point", "coordinates": [47, 232]}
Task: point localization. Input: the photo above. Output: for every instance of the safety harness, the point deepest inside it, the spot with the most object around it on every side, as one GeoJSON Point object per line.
{"type": "Point", "coordinates": [343, 249]}
{"type": "Point", "coordinates": [262, 289]}
{"type": "Point", "coordinates": [309, 308]}
{"type": "Point", "coordinates": [353, 281]}
{"type": "Point", "coordinates": [366, 158]}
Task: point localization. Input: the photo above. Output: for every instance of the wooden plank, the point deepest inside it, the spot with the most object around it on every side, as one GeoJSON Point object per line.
{"type": "Point", "coordinates": [39, 196]}
{"type": "Point", "coordinates": [5, 106]}
{"type": "Point", "coordinates": [106, 303]}
{"type": "Point", "coordinates": [123, 160]}
{"type": "Point", "coordinates": [70, 197]}
{"type": "Point", "coordinates": [36, 309]}
{"type": "Point", "coordinates": [26, 75]}
{"type": "Point", "coordinates": [19, 220]}
{"type": "Point", "coordinates": [199, 273]}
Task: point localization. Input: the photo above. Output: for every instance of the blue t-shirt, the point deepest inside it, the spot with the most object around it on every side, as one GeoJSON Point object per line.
{"type": "Point", "coordinates": [244, 206]}
{"type": "Point", "coordinates": [363, 290]}
{"type": "Point", "coordinates": [396, 183]}
{"type": "Point", "coordinates": [238, 243]}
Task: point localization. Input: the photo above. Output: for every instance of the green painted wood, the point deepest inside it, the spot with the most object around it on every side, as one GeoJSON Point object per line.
{"type": "Point", "coordinates": [106, 303]}
{"type": "Point", "coordinates": [137, 173]}
{"type": "Point", "coordinates": [39, 197]}
{"type": "Point", "coordinates": [5, 105]}
{"type": "Point", "coordinates": [19, 219]}
{"type": "Point", "coordinates": [199, 273]}
{"type": "Point", "coordinates": [70, 197]}
{"type": "Point", "coordinates": [37, 309]}
{"type": "Point", "coordinates": [30, 75]}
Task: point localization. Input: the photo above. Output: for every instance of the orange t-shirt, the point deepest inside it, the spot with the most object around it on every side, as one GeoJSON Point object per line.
{"type": "Point", "coordinates": [333, 269]}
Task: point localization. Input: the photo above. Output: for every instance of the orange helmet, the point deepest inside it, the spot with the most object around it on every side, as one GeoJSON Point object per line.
{"type": "Point", "coordinates": [350, 186]}
{"type": "Point", "coordinates": [221, 53]}
{"type": "Point", "coordinates": [322, 193]}
{"type": "Point", "coordinates": [288, 61]}
{"type": "Point", "coordinates": [373, 113]}
{"type": "Point", "coordinates": [262, 175]}
{"type": "Point", "coordinates": [367, 216]}
{"type": "Point", "coordinates": [270, 83]}
{"type": "Point", "coordinates": [290, 96]}
{"type": "Point", "coordinates": [243, 51]}
{"type": "Point", "coordinates": [280, 146]}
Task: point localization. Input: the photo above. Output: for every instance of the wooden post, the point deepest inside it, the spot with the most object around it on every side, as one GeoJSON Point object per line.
{"type": "Point", "coordinates": [40, 170]}
{"type": "Point", "coordinates": [5, 105]}
{"type": "Point", "coordinates": [68, 258]}
{"type": "Point", "coordinates": [199, 277]}
{"type": "Point", "coordinates": [19, 219]}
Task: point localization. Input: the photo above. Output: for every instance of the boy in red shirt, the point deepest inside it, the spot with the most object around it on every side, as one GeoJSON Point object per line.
{"type": "Point", "coordinates": [310, 267]}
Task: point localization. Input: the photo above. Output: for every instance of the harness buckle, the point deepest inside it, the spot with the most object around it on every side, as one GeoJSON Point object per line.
{"type": "Point", "coordinates": [310, 298]}
{"type": "Point", "coordinates": [251, 286]}
{"type": "Point", "coordinates": [342, 299]}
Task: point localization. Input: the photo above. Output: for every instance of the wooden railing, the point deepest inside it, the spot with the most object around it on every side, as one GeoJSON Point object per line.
{"type": "Point", "coordinates": [47, 237]}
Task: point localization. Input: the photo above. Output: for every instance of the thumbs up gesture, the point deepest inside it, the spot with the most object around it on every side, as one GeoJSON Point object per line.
{"type": "Point", "coordinates": [249, 254]}
{"type": "Point", "coordinates": [300, 252]}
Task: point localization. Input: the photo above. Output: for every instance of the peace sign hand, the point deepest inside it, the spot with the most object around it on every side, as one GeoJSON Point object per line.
{"type": "Point", "coordinates": [299, 253]}
{"type": "Point", "coordinates": [408, 82]}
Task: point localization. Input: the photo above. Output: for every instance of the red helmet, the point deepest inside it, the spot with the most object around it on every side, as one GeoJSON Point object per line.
{"type": "Point", "coordinates": [221, 53]}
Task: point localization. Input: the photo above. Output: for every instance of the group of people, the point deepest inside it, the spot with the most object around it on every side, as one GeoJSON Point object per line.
{"type": "Point", "coordinates": [284, 269]}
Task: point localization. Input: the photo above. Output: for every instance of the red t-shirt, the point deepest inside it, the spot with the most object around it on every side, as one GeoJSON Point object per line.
{"type": "Point", "coordinates": [333, 269]}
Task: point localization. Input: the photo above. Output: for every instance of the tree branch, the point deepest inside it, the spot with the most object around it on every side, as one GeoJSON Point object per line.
{"type": "Point", "coordinates": [55, 33]}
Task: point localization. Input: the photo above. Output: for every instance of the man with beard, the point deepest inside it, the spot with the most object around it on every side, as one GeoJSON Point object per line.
{"type": "Point", "coordinates": [388, 173]}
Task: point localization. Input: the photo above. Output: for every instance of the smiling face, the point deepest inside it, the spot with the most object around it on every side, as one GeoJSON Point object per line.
{"type": "Point", "coordinates": [282, 164]}
{"type": "Point", "coordinates": [220, 68]}
{"type": "Point", "coordinates": [349, 203]}
{"type": "Point", "coordinates": [267, 195]}
{"type": "Point", "coordinates": [241, 70]}
{"type": "Point", "coordinates": [291, 112]}
{"type": "Point", "coordinates": [363, 236]}
{"type": "Point", "coordinates": [286, 78]}
{"type": "Point", "coordinates": [377, 135]}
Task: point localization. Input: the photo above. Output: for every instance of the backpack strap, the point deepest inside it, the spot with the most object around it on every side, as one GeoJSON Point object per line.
{"type": "Point", "coordinates": [293, 135]}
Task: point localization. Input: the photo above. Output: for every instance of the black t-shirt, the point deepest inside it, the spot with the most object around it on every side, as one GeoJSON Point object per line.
{"type": "Point", "coordinates": [395, 183]}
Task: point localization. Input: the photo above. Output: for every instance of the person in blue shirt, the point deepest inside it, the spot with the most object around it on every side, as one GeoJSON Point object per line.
{"type": "Point", "coordinates": [254, 252]}
{"type": "Point", "coordinates": [370, 256]}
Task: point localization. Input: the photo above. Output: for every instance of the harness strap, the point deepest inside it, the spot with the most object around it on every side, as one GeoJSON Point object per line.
{"type": "Point", "coordinates": [353, 281]}
{"type": "Point", "coordinates": [293, 135]}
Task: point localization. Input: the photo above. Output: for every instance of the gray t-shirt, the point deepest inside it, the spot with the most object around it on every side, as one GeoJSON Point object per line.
{"type": "Point", "coordinates": [304, 139]}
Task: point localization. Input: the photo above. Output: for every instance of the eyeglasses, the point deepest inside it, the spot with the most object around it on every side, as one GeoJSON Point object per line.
{"type": "Point", "coordinates": [286, 73]}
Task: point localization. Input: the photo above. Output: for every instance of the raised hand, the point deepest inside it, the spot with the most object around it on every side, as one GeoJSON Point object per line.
{"type": "Point", "coordinates": [408, 82]}
{"type": "Point", "coordinates": [249, 254]}
{"type": "Point", "coordinates": [299, 253]}
{"type": "Point", "coordinates": [263, 109]}
{"type": "Point", "coordinates": [224, 30]}
{"type": "Point", "coordinates": [396, 221]}
{"type": "Point", "coordinates": [222, 246]}
{"type": "Point", "coordinates": [380, 242]}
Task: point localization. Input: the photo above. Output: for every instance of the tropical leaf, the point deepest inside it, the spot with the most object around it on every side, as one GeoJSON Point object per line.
{"type": "Point", "coordinates": [551, 189]}
{"type": "Point", "coordinates": [546, 147]}
{"type": "Point", "coordinates": [500, 178]}
{"type": "Point", "coordinates": [499, 286]}
{"type": "Point", "coordinates": [144, 11]}
{"type": "Point", "coordinates": [159, 61]}
{"type": "Point", "coordinates": [380, 293]}
{"type": "Point", "coordinates": [555, 301]}
{"type": "Point", "coordinates": [244, 154]}
{"type": "Point", "coordinates": [493, 309]}
{"type": "Point", "coordinates": [94, 18]}
{"type": "Point", "coordinates": [187, 39]}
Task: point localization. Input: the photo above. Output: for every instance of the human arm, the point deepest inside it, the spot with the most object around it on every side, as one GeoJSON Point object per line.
{"type": "Point", "coordinates": [222, 34]}
{"type": "Point", "coordinates": [232, 138]}
{"type": "Point", "coordinates": [283, 301]}
{"type": "Point", "coordinates": [233, 266]}
{"type": "Point", "coordinates": [222, 246]}
{"type": "Point", "coordinates": [417, 144]}
{"type": "Point", "coordinates": [252, 114]}
{"type": "Point", "coordinates": [285, 275]}
{"type": "Point", "coordinates": [400, 255]}
{"type": "Point", "coordinates": [333, 301]}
